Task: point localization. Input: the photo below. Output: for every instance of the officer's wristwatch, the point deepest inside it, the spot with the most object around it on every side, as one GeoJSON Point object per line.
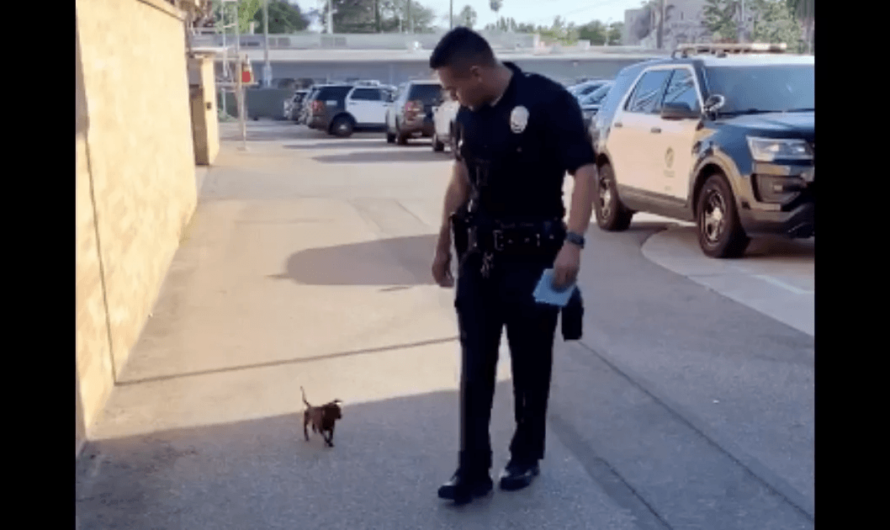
{"type": "Point", "coordinates": [576, 239]}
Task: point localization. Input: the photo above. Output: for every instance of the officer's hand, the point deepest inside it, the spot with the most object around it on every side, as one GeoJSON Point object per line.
{"type": "Point", "coordinates": [566, 266]}
{"type": "Point", "coordinates": [442, 269]}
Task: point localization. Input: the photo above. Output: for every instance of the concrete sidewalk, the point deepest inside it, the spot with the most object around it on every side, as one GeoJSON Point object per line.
{"type": "Point", "coordinates": [776, 277]}
{"type": "Point", "coordinates": [273, 291]}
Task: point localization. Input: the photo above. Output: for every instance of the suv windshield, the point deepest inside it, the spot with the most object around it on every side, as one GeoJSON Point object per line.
{"type": "Point", "coordinates": [428, 93]}
{"type": "Point", "coordinates": [755, 89]}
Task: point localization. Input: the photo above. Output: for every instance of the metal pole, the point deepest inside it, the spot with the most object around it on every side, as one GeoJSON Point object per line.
{"type": "Point", "coordinates": [267, 68]}
{"type": "Point", "coordinates": [410, 22]}
{"type": "Point", "coordinates": [225, 59]}
{"type": "Point", "coordinates": [451, 14]}
{"type": "Point", "coordinates": [330, 17]}
{"type": "Point", "coordinates": [238, 73]}
{"type": "Point", "coordinates": [741, 37]}
{"type": "Point", "coordinates": [661, 26]}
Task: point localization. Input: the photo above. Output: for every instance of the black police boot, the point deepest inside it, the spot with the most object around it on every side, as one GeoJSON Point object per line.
{"type": "Point", "coordinates": [464, 487]}
{"type": "Point", "coordinates": [519, 474]}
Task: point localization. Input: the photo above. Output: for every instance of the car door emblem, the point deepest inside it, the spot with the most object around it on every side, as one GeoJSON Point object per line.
{"type": "Point", "coordinates": [518, 119]}
{"type": "Point", "coordinates": [669, 157]}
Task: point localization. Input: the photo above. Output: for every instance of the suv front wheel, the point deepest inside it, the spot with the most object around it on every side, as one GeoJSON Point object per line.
{"type": "Point", "coordinates": [720, 232]}
{"type": "Point", "coordinates": [611, 215]}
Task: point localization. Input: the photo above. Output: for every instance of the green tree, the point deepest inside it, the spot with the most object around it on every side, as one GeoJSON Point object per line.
{"type": "Point", "coordinates": [615, 31]}
{"type": "Point", "coordinates": [594, 31]}
{"type": "Point", "coordinates": [395, 14]}
{"type": "Point", "coordinates": [805, 12]}
{"type": "Point", "coordinates": [560, 32]}
{"type": "Point", "coordinates": [505, 24]}
{"type": "Point", "coordinates": [496, 5]}
{"type": "Point", "coordinates": [775, 23]}
{"type": "Point", "coordinates": [524, 27]}
{"type": "Point", "coordinates": [467, 17]}
{"type": "Point", "coordinates": [226, 12]}
{"type": "Point", "coordinates": [720, 17]}
{"type": "Point", "coordinates": [352, 16]}
{"type": "Point", "coordinates": [283, 18]}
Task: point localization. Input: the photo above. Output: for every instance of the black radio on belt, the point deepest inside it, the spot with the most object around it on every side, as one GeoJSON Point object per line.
{"type": "Point", "coordinates": [572, 317]}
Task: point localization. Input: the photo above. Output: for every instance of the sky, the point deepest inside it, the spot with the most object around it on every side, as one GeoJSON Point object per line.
{"type": "Point", "coordinates": [534, 11]}
{"type": "Point", "coordinates": [542, 11]}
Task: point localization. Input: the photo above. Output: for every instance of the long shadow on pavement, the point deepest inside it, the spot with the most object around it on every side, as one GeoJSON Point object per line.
{"type": "Point", "coordinates": [336, 265]}
{"type": "Point", "coordinates": [389, 156]}
{"type": "Point", "coordinates": [339, 265]}
{"type": "Point", "coordinates": [388, 460]}
{"type": "Point", "coordinates": [298, 360]}
{"type": "Point", "coordinates": [358, 142]}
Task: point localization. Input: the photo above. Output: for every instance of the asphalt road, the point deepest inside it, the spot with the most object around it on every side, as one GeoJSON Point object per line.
{"type": "Point", "coordinates": [307, 265]}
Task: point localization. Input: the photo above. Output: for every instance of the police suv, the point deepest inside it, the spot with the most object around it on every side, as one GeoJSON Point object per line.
{"type": "Point", "coordinates": [720, 135]}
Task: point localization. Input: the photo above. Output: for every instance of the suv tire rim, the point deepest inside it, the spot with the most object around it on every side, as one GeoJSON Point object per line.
{"type": "Point", "coordinates": [605, 199]}
{"type": "Point", "coordinates": [343, 126]}
{"type": "Point", "coordinates": [714, 217]}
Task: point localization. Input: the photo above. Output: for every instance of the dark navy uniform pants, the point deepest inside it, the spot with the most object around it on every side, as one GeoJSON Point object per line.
{"type": "Point", "coordinates": [485, 306]}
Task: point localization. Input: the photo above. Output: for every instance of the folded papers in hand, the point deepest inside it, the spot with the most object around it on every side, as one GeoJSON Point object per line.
{"type": "Point", "coordinates": [546, 293]}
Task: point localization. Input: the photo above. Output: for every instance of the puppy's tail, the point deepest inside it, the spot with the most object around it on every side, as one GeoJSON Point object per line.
{"type": "Point", "coordinates": [304, 397]}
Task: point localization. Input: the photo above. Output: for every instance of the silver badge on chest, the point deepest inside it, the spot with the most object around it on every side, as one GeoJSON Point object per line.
{"type": "Point", "coordinates": [518, 119]}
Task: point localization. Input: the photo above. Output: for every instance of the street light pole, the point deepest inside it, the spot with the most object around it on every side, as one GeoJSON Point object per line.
{"type": "Point", "coordinates": [267, 68]}
{"type": "Point", "coordinates": [451, 14]}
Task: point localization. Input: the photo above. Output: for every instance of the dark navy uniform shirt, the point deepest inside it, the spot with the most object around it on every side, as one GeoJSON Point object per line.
{"type": "Point", "coordinates": [518, 150]}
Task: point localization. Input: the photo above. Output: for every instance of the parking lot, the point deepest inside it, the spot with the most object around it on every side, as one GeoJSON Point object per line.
{"type": "Point", "coordinates": [776, 277]}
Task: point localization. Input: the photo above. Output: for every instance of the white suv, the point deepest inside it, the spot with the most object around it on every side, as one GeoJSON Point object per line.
{"type": "Point", "coordinates": [367, 106]}
{"type": "Point", "coordinates": [443, 119]}
{"type": "Point", "coordinates": [344, 109]}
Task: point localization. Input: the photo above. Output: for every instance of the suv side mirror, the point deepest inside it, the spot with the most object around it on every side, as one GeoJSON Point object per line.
{"type": "Point", "coordinates": [679, 111]}
{"type": "Point", "coordinates": [714, 103]}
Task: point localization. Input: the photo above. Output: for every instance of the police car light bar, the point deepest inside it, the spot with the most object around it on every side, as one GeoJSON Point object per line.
{"type": "Point", "coordinates": [684, 50]}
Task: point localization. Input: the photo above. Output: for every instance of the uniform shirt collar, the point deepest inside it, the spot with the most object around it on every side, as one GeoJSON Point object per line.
{"type": "Point", "coordinates": [516, 73]}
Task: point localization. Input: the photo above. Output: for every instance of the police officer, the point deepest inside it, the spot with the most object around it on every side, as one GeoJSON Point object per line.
{"type": "Point", "coordinates": [518, 134]}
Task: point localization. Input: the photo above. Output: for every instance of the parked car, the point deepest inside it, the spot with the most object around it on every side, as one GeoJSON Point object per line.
{"type": "Point", "coordinates": [725, 140]}
{"type": "Point", "coordinates": [590, 104]}
{"type": "Point", "coordinates": [410, 114]}
{"type": "Point", "coordinates": [306, 106]}
{"type": "Point", "coordinates": [588, 87]}
{"type": "Point", "coordinates": [293, 105]}
{"type": "Point", "coordinates": [343, 109]}
{"type": "Point", "coordinates": [444, 116]}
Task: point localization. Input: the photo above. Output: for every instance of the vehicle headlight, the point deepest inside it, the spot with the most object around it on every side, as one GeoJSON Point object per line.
{"type": "Point", "coordinates": [771, 149]}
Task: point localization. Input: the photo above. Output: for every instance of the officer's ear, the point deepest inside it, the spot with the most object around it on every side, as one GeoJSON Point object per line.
{"type": "Point", "coordinates": [476, 73]}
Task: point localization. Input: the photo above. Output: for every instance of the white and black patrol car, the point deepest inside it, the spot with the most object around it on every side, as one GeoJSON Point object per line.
{"type": "Point", "coordinates": [720, 135]}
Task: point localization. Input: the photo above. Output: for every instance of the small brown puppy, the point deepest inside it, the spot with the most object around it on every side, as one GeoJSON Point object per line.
{"type": "Point", "coordinates": [322, 419]}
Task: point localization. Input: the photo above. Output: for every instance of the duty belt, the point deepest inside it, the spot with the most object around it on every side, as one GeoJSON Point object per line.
{"type": "Point", "coordinates": [506, 238]}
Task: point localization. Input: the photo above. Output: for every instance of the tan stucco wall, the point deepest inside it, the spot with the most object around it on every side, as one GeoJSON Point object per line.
{"type": "Point", "coordinates": [135, 177]}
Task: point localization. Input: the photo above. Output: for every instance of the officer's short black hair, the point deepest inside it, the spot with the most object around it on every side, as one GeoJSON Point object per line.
{"type": "Point", "coordinates": [461, 48]}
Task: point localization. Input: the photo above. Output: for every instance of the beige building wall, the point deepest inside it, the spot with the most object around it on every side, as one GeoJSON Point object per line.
{"type": "Point", "coordinates": [135, 176]}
